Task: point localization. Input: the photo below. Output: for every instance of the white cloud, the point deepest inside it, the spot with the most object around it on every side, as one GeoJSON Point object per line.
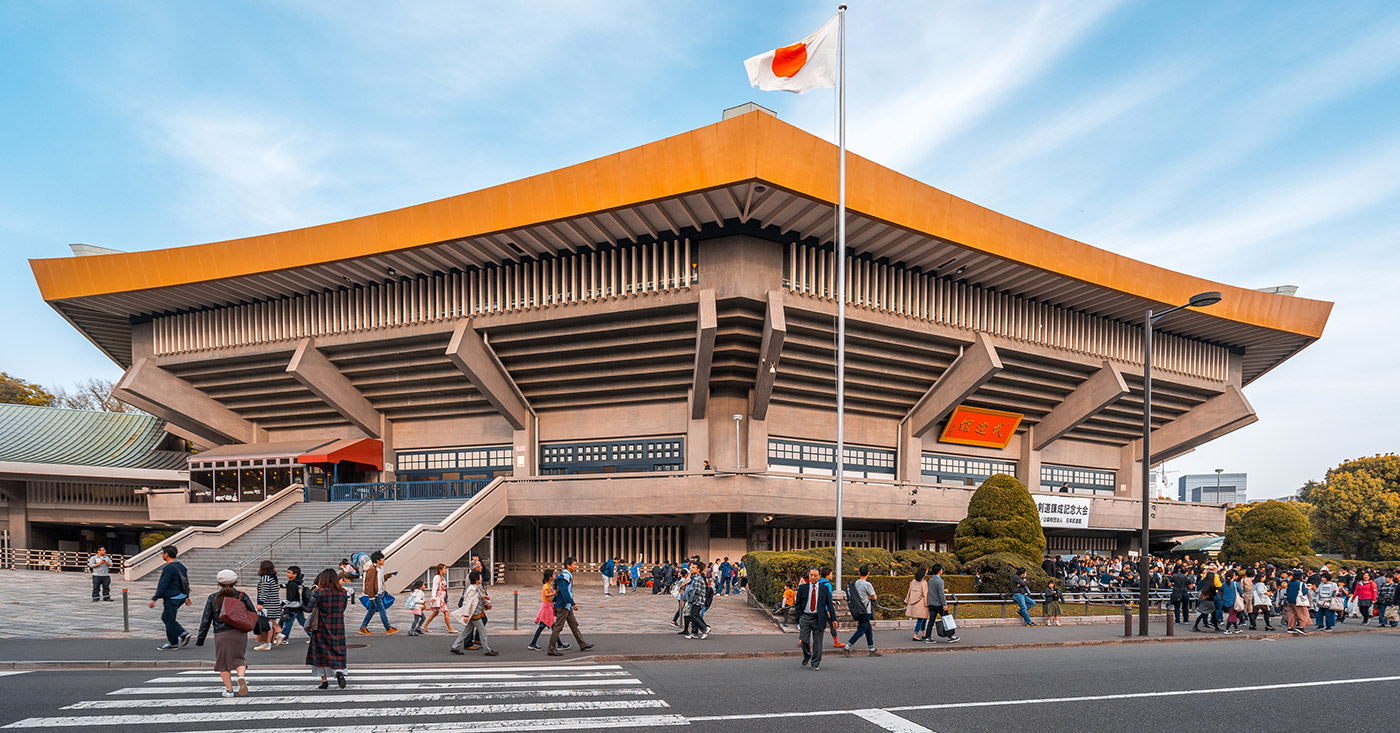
{"type": "Point", "coordinates": [922, 74]}
{"type": "Point", "coordinates": [246, 168]}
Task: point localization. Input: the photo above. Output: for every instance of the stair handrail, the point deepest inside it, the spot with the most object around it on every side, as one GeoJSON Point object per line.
{"type": "Point", "coordinates": [323, 529]}
{"type": "Point", "coordinates": [131, 570]}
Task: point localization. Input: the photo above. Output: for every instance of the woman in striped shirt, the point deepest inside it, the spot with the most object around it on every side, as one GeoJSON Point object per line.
{"type": "Point", "coordinates": [269, 604]}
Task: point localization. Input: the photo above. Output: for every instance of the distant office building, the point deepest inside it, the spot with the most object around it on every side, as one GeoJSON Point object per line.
{"type": "Point", "coordinates": [1211, 488]}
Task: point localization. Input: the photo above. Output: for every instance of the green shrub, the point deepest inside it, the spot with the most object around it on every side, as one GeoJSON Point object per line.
{"type": "Point", "coordinates": [879, 559]}
{"type": "Point", "coordinates": [907, 560]}
{"type": "Point", "coordinates": [768, 571]}
{"type": "Point", "coordinates": [1001, 518]}
{"type": "Point", "coordinates": [999, 572]}
{"type": "Point", "coordinates": [151, 539]}
{"type": "Point", "coordinates": [1271, 529]}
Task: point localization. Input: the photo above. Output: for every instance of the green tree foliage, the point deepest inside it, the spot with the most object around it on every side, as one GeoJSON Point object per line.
{"type": "Point", "coordinates": [1234, 514]}
{"type": "Point", "coordinates": [1001, 517]}
{"type": "Point", "coordinates": [1357, 507]}
{"type": "Point", "coordinates": [998, 571]}
{"type": "Point", "coordinates": [1274, 529]}
{"type": "Point", "coordinates": [16, 391]}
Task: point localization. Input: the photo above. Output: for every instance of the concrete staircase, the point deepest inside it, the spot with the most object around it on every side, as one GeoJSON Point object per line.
{"type": "Point", "coordinates": [373, 527]}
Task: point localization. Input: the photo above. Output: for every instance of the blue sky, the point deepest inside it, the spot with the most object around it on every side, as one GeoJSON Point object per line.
{"type": "Point", "coordinates": [1254, 143]}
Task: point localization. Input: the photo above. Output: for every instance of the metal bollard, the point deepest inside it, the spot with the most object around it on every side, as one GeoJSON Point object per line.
{"type": "Point", "coordinates": [516, 596]}
{"type": "Point", "coordinates": [1171, 624]}
{"type": "Point", "coordinates": [126, 613]}
{"type": "Point", "coordinates": [1127, 620]}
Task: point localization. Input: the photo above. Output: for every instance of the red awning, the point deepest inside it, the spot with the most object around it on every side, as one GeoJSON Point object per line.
{"type": "Point", "coordinates": [364, 451]}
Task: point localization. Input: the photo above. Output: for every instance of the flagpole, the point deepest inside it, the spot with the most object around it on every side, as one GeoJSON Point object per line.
{"type": "Point", "coordinates": [840, 280]}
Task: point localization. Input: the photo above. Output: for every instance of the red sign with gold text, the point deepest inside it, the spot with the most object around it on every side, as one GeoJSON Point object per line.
{"type": "Point", "coordinates": [976, 426]}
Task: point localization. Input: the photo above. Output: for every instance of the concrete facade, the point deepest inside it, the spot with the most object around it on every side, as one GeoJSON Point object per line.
{"type": "Point", "coordinates": [661, 324]}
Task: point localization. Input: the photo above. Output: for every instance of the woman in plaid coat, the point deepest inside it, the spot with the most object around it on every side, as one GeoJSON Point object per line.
{"type": "Point", "coordinates": [326, 655]}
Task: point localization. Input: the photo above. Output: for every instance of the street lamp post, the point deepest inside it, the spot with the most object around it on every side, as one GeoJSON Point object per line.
{"type": "Point", "coordinates": [1217, 483]}
{"type": "Point", "coordinates": [1199, 300]}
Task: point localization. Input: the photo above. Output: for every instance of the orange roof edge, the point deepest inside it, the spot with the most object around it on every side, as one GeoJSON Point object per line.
{"type": "Point", "coordinates": [754, 146]}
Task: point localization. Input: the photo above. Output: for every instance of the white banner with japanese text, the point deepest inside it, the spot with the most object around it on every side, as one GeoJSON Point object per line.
{"type": "Point", "coordinates": [1063, 511]}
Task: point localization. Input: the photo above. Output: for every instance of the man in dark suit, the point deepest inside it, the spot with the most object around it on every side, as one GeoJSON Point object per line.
{"type": "Point", "coordinates": [815, 612]}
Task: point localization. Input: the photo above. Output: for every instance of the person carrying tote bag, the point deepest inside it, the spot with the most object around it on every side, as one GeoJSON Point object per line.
{"type": "Point", "coordinates": [230, 613]}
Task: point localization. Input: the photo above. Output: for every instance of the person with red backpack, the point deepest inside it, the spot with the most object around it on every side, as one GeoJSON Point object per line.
{"type": "Point", "coordinates": [231, 615]}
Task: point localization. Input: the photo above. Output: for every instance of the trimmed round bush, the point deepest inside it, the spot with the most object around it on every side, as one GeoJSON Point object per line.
{"type": "Point", "coordinates": [999, 572]}
{"type": "Point", "coordinates": [907, 560]}
{"type": "Point", "coordinates": [1001, 517]}
{"type": "Point", "coordinates": [1274, 529]}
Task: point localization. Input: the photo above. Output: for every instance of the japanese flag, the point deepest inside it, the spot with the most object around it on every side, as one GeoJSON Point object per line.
{"type": "Point", "coordinates": [803, 66]}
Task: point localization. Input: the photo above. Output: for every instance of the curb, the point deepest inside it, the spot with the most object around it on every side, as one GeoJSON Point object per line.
{"type": "Point", "coordinates": [56, 665]}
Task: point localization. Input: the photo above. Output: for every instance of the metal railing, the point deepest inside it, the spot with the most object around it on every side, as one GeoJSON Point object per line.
{"type": "Point", "coordinates": [409, 490]}
{"type": "Point", "coordinates": [193, 537]}
{"type": "Point", "coordinates": [325, 529]}
{"type": "Point", "coordinates": [19, 558]}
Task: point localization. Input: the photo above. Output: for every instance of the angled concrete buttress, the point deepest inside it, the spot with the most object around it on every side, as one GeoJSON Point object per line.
{"type": "Point", "coordinates": [1224, 413]}
{"type": "Point", "coordinates": [774, 333]}
{"type": "Point", "coordinates": [318, 374]}
{"type": "Point", "coordinates": [479, 363]}
{"type": "Point", "coordinates": [172, 399]}
{"type": "Point", "coordinates": [707, 324]}
{"type": "Point", "coordinates": [1092, 396]}
{"type": "Point", "coordinates": [977, 364]}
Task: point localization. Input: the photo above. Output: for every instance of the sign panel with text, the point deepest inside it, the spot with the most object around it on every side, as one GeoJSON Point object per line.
{"type": "Point", "coordinates": [981, 427]}
{"type": "Point", "coordinates": [1063, 511]}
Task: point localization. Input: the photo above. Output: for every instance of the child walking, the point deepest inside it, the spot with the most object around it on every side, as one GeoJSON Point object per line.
{"type": "Point", "coordinates": [415, 607]}
{"type": "Point", "coordinates": [1053, 598]}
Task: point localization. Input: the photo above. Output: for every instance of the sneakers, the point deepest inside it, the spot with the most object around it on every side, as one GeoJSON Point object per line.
{"type": "Point", "coordinates": [492, 653]}
{"type": "Point", "coordinates": [227, 693]}
{"type": "Point", "coordinates": [391, 631]}
{"type": "Point", "coordinates": [689, 636]}
{"type": "Point", "coordinates": [1293, 631]}
{"type": "Point", "coordinates": [365, 632]}
{"type": "Point", "coordinates": [874, 653]}
{"type": "Point", "coordinates": [582, 647]}
{"type": "Point", "coordinates": [280, 642]}
{"type": "Point", "coordinates": [930, 640]}
{"type": "Point", "coordinates": [839, 644]}
{"type": "Point", "coordinates": [704, 635]}
{"type": "Point", "coordinates": [677, 626]}
{"type": "Point", "coordinates": [243, 687]}
{"type": "Point", "coordinates": [340, 679]}
{"type": "Point", "coordinates": [167, 647]}
{"type": "Point", "coordinates": [184, 640]}
{"type": "Point", "coordinates": [562, 645]}
{"type": "Point", "coordinates": [533, 647]}
{"type": "Point", "coordinates": [262, 647]}
{"type": "Point", "coordinates": [1303, 632]}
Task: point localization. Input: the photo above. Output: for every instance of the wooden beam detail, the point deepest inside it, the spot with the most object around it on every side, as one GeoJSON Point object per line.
{"type": "Point", "coordinates": [1093, 395]}
{"type": "Point", "coordinates": [1224, 413]}
{"type": "Point", "coordinates": [977, 364]}
{"type": "Point", "coordinates": [774, 333]}
{"type": "Point", "coordinates": [707, 324]}
{"type": "Point", "coordinates": [470, 352]}
{"type": "Point", "coordinates": [310, 367]}
{"type": "Point", "coordinates": [174, 400]}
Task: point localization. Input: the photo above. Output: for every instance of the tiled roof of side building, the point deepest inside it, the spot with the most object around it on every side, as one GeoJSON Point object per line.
{"type": "Point", "coordinates": [32, 434]}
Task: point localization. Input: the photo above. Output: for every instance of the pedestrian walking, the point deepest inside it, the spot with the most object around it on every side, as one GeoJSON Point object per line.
{"type": "Point", "coordinates": [545, 618]}
{"type": "Point", "coordinates": [860, 601]}
{"type": "Point", "coordinates": [696, 597]}
{"type": "Point", "coordinates": [564, 610]}
{"type": "Point", "coordinates": [472, 614]}
{"type": "Point", "coordinates": [815, 611]}
{"type": "Point", "coordinates": [937, 600]}
{"type": "Point", "coordinates": [230, 642]}
{"type": "Point", "coordinates": [915, 605]}
{"type": "Point", "coordinates": [1232, 599]}
{"type": "Point", "coordinates": [374, 595]}
{"type": "Point", "coordinates": [1263, 603]}
{"type": "Point", "coordinates": [1365, 596]}
{"type": "Point", "coordinates": [1326, 599]}
{"type": "Point", "coordinates": [826, 574]}
{"type": "Point", "coordinates": [100, 565]}
{"type": "Point", "coordinates": [416, 599]}
{"type": "Point", "coordinates": [269, 606]}
{"type": "Point", "coordinates": [173, 591]}
{"type": "Point", "coordinates": [1298, 602]}
{"type": "Point", "coordinates": [437, 601]}
{"type": "Point", "coordinates": [608, 568]}
{"type": "Point", "coordinates": [292, 611]}
{"type": "Point", "coordinates": [326, 654]}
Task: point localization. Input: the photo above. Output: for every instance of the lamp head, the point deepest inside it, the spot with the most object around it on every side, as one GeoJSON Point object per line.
{"type": "Point", "coordinates": [1201, 300]}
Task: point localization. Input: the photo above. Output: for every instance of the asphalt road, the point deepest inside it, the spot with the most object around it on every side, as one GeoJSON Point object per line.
{"type": "Point", "coordinates": [1286, 684]}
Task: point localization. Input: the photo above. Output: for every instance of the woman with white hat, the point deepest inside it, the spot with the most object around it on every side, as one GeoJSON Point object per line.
{"type": "Point", "coordinates": [230, 643]}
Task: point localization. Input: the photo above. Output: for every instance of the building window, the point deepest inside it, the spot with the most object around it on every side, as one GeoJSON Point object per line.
{"type": "Point", "coordinates": [794, 456]}
{"type": "Point", "coordinates": [453, 464]}
{"type": "Point", "coordinates": [943, 468]}
{"type": "Point", "coordinates": [1080, 480]}
{"type": "Point", "coordinates": [619, 456]}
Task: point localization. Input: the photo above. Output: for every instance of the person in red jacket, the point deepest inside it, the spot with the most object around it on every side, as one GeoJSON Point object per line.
{"type": "Point", "coordinates": [1365, 596]}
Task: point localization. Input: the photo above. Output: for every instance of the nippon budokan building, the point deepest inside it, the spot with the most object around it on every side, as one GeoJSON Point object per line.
{"type": "Point", "coordinates": [641, 348]}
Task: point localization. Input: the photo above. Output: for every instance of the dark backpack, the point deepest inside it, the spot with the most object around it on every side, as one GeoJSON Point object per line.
{"type": "Point", "coordinates": [709, 596]}
{"type": "Point", "coordinates": [853, 602]}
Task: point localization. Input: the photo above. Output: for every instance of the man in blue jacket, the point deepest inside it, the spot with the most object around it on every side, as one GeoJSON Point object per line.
{"type": "Point", "coordinates": [815, 612]}
{"type": "Point", "coordinates": [564, 609]}
{"type": "Point", "coordinates": [174, 590]}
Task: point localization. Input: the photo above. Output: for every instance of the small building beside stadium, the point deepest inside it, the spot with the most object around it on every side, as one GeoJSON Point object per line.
{"type": "Point", "coordinates": [642, 349]}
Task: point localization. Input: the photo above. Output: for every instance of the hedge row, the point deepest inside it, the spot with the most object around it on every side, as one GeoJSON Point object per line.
{"type": "Point", "coordinates": [768, 571]}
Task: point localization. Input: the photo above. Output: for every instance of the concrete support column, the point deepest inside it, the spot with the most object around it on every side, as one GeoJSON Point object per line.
{"type": "Point", "coordinates": [908, 455]}
{"type": "Point", "coordinates": [525, 449]}
{"type": "Point", "coordinates": [1028, 466]}
{"type": "Point", "coordinates": [386, 434]}
{"type": "Point", "coordinates": [697, 537]}
{"type": "Point", "coordinates": [697, 439]}
{"type": "Point", "coordinates": [1129, 479]}
{"type": "Point", "coordinates": [756, 445]}
{"type": "Point", "coordinates": [19, 514]}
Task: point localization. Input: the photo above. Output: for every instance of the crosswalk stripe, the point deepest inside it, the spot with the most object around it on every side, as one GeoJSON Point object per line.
{"type": "Point", "coordinates": [11, 673]}
{"type": "Point", "coordinates": [448, 670]}
{"type": "Point", "coordinates": [456, 675]}
{"type": "Point", "coordinates": [360, 685]}
{"type": "Point", "coordinates": [97, 721]}
{"type": "Point", "coordinates": [314, 696]}
{"type": "Point", "coordinates": [495, 726]}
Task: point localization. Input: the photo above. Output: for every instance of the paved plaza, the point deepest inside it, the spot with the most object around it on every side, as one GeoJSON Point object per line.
{"type": "Point", "coordinates": [44, 605]}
